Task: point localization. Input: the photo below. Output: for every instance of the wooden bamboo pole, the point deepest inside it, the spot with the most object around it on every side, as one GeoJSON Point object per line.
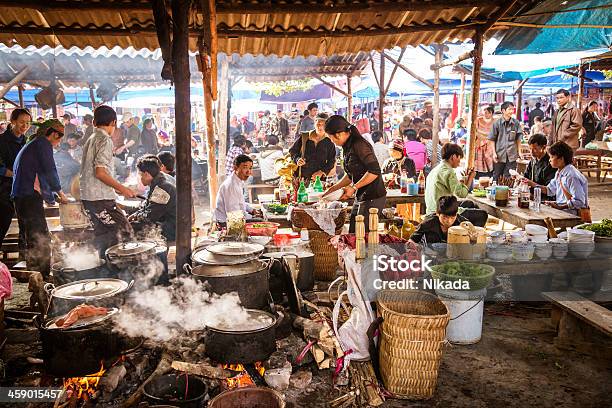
{"type": "Point", "coordinates": [349, 89]}
{"type": "Point", "coordinates": [462, 95]}
{"type": "Point", "coordinates": [475, 95]}
{"type": "Point", "coordinates": [519, 98]}
{"type": "Point", "coordinates": [435, 137]}
{"type": "Point", "coordinates": [210, 126]}
{"type": "Point", "coordinates": [182, 124]}
{"type": "Point", "coordinates": [580, 86]}
{"type": "Point", "coordinates": [20, 90]}
{"type": "Point", "coordinates": [53, 86]}
{"type": "Point", "coordinates": [16, 80]}
{"type": "Point", "coordinates": [223, 112]}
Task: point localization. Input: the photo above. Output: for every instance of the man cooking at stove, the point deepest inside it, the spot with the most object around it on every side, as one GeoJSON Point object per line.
{"type": "Point", "coordinates": [159, 210]}
{"type": "Point", "coordinates": [98, 186]}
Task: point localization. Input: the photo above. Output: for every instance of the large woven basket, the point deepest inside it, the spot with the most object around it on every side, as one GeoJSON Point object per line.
{"type": "Point", "coordinates": [412, 336]}
{"type": "Point", "coordinates": [325, 256]}
{"type": "Point", "coordinates": [300, 219]}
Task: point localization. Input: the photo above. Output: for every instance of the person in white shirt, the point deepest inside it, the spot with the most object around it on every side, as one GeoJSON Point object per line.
{"type": "Point", "coordinates": [267, 158]}
{"type": "Point", "coordinates": [231, 193]}
{"type": "Point", "coordinates": [381, 150]}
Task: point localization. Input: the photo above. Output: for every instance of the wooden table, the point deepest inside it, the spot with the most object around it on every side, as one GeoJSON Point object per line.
{"type": "Point", "coordinates": [281, 219]}
{"type": "Point", "coordinates": [522, 216]}
{"type": "Point", "coordinates": [597, 160]}
{"type": "Point", "coordinates": [395, 197]}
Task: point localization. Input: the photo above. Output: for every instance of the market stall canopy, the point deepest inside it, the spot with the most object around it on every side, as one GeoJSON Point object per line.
{"type": "Point", "coordinates": [601, 62]}
{"type": "Point", "coordinates": [559, 26]}
{"type": "Point", "coordinates": [272, 68]}
{"type": "Point", "coordinates": [281, 27]}
{"type": "Point", "coordinates": [74, 67]}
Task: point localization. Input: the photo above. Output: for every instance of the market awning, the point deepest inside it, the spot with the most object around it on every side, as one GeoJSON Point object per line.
{"type": "Point", "coordinates": [281, 27]}
{"type": "Point", "coordinates": [555, 26]}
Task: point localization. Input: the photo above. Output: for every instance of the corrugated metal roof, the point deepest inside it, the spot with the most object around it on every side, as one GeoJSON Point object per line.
{"type": "Point", "coordinates": [307, 27]}
{"type": "Point", "coordinates": [271, 68]}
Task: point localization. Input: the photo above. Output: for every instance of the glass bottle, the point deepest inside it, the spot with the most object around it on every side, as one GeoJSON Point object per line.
{"type": "Point", "coordinates": [318, 185]}
{"type": "Point", "coordinates": [302, 196]}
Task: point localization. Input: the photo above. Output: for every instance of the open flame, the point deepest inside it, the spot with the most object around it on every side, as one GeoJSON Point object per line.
{"type": "Point", "coordinates": [83, 388]}
{"type": "Point", "coordinates": [243, 379]}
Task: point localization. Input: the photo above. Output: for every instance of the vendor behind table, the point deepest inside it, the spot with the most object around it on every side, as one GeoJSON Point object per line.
{"type": "Point", "coordinates": [362, 178]}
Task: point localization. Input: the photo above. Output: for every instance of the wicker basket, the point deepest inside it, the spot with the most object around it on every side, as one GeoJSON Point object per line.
{"type": "Point", "coordinates": [412, 335]}
{"type": "Point", "coordinates": [300, 219]}
{"type": "Point", "coordinates": [325, 256]}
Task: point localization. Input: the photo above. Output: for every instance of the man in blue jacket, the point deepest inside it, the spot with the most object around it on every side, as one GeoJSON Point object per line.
{"type": "Point", "coordinates": [35, 179]}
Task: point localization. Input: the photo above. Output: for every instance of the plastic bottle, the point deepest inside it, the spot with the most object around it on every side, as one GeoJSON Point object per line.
{"type": "Point", "coordinates": [523, 196]}
{"type": "Point", "coordinates": [404, 182]}
{"type": "Point", "coordinates": [302, 195]}
{"type": "Point", "coordinates": [283, 193]}
{"type": "Point", "coordinates": [537, 198]}
{"type": "Point", "coordinates": [421, 182]}
{"type": "Point", "coordinates": [318, 185]}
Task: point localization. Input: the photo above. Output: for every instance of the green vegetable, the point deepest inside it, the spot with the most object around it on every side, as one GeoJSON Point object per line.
{"type": "Point", "coordinates": [601, 229]}
{"type": "Point", "coordinates": [478, 275]}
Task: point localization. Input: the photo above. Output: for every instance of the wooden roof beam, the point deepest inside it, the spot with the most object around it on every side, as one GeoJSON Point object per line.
{"type": "Point", "coordinates": [236, 33]}
{"type": "Point", "coordinates": [332, 86]}
{"type": "Point", "coordinates": [408, 71]}
{"type": "Point", "coordinates": [254, 8]}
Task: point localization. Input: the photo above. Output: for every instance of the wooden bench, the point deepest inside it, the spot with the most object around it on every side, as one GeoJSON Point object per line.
{"type": "Point", "coordinates": [581, 324]}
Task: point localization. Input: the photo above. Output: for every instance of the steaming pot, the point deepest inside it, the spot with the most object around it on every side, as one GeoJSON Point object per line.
{"type": "Point", "coordinates": [63, 274]}
{"type": "Point", "coordinates": [130, 254]}
{"type": "Point", "coordinates": [97, 292]}
{"type": "Point", "coordinates": [73, 216]}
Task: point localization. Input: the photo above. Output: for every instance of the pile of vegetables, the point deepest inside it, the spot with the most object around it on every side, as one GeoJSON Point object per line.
{"type": "Point", "coordinates": [276, 208]}
{"type": "Point", "coordinates": [601, 229]}
{"type": "Point", "coordinates": [478, 275]}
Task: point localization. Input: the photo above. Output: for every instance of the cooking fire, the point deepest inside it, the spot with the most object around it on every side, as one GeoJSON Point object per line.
{"type": "Point", "coordinates": [243, 378]}
{"type": "Point", "coordinates": [84, 387]}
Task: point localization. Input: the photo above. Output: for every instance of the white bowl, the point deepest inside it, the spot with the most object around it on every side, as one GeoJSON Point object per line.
{"type": "Point", "coordinates": [543, 250]}
{"type": "Point", "coordinates": [518, 237]}
{"type": "Point", "coordinates": [498, 253]}
{"type": "Point", "coordinates": [523, 252]}
{"type": "Point", "coordinates": [538, 238]}
{"type": "Point", "coordinates": [534, 229]}
{"type": "Point", "coordinates": [260, 240]}
{"type": "Point", "coordinates": [335, 196]}
{"type": "Point", "coordinates": [498, 237]}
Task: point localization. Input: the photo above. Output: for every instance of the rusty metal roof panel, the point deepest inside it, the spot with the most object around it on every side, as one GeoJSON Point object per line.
{"type": "Point", "coordinates": [293, 27]}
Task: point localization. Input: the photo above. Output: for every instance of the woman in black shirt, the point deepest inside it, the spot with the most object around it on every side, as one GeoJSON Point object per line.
{"type": "Point", "coordinates": [318, 156]}
{"type": "Point", "coordinates": [362, 177]}
{"type": "Point", "coordinates": [589, 123]}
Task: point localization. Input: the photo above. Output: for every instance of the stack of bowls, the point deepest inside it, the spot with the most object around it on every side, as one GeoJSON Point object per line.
{"type": "Point", "coordinates": [543, 250]}
{"type": "Point", "coordinates": [518, 237]}
{"type": "Point", "coordinates": [581, 242]}
{"type": "Point", "coordinates": [559, 247]}
{"type": "Point", "coordinates": [523, 252]}
{"type": "Point", "coordinates": [498, 252]}
{"type": "Point", "coordinates": [536, 233]}
{"type": "Point", "coordinates": [498, 237]}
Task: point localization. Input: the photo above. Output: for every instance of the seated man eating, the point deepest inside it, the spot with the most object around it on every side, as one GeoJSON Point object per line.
{"type": "Point", "coordinates": [434, 227]}
{"type": "Point", "coordinates": [159, 210]}
{"type": "Point", "coordinates": [231, 193]}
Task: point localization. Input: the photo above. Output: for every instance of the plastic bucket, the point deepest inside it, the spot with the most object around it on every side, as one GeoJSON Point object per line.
{"type": "Point", "coordinates": [466, 310]}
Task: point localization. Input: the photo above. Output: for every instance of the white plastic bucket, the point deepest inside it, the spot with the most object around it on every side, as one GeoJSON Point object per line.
{"type": "Point", "coordinates": [466, 311]}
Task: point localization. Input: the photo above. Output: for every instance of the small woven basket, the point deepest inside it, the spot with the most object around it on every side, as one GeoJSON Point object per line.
{"type": "Point", "coordinates": [300, 219]}
{"type": "Point", "coordinates": [325, 256]}
{"type": "Point", "coordinates": [413, 333]}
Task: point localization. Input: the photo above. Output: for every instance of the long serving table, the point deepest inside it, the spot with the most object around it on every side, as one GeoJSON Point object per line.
{"type": "Point", "coordinates": [523, 216]}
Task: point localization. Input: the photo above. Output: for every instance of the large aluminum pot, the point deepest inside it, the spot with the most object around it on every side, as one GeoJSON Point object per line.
{"type": "Point", "coordinates": [97, 292]}
{"type": "Point", "coordinates": [301, 264]}
{"type": "Point", "coordinates": [235, 344]}
{"type": "Point", "coordinates": [248, 279]}
{"type": "Point", "coordinates": [73, 215]}
{"type": "Point", "coordinates": [63, 274]}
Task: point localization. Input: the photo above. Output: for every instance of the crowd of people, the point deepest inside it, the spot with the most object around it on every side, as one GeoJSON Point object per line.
{"type": "Point", "coordinates": [376, 160]}
{"type": "Point", "coordinates": [52, 164]}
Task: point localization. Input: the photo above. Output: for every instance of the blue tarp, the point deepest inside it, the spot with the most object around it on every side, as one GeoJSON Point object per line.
{"type": "Point", "coordinates": [531, 40]}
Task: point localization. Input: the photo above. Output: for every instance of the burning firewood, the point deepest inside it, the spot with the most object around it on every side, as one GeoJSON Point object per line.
{"type": "Point", "coordinates": [202, 369]}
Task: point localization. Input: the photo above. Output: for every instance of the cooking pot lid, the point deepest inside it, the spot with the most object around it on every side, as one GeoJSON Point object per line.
{"type": "Point", "coordinates": [235, 248]}
{"type": "Point", "coordinates": [90, 288]}
{"type": "Point", "coordinates": [83, 322]}
{"type": "Point", "coordinates": [131, 248]}
{"type": "Point", "coordinates": [203, 256]}
{"type": "Point", "coordinates": [257, 320]}
{"type": "Point", "coordinates": [223, 271]}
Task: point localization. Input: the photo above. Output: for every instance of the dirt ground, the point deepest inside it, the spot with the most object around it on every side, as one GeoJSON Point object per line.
{"type": "Point", "coordinates": [514, 365]}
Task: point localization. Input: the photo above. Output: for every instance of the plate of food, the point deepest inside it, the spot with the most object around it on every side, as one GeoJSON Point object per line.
{"type": "Point", "coordinates": [479, 192]}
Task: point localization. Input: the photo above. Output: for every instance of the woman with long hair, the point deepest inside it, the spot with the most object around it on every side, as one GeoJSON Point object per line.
{"type": "Point", "coordinates": [363, 177]}
{"type": "Point", "coordinates": [589, 122]}
{"type": "Point", "coordinates": [483, 157]}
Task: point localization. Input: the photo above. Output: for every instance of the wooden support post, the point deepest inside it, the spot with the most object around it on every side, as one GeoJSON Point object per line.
{"type": "Point", "coordinates": [332, 86]}
{"type": "Point", "coordinates": [223, 114]}
{"type": "Point", "coordinates": [92, 96]}
{"type": "Point", "coordinates": [462, 95]}
{"type": "Point", "coordinates": [210, 126]}
{"type": "Point", "coordinates": [436, 106]}
{"type": "Point", "coordinates": [53, 86]}
{"type": "Point", "coordinates": [580, 86]}
{"type": "Point", "coordinates": [519, 99]}
{"type": "Point", "coordinates": [349, 91]}
{"type": "Point", "coordinates": [182, 124]}
{"type": "Point", "coordinates": [381, 98]}
{"type": "Point", "coordinates": [475, 96]}
{"type": "Point", "coordinates": [17, 79]}
{"type": "Point", "coordinates": [20, 90]}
